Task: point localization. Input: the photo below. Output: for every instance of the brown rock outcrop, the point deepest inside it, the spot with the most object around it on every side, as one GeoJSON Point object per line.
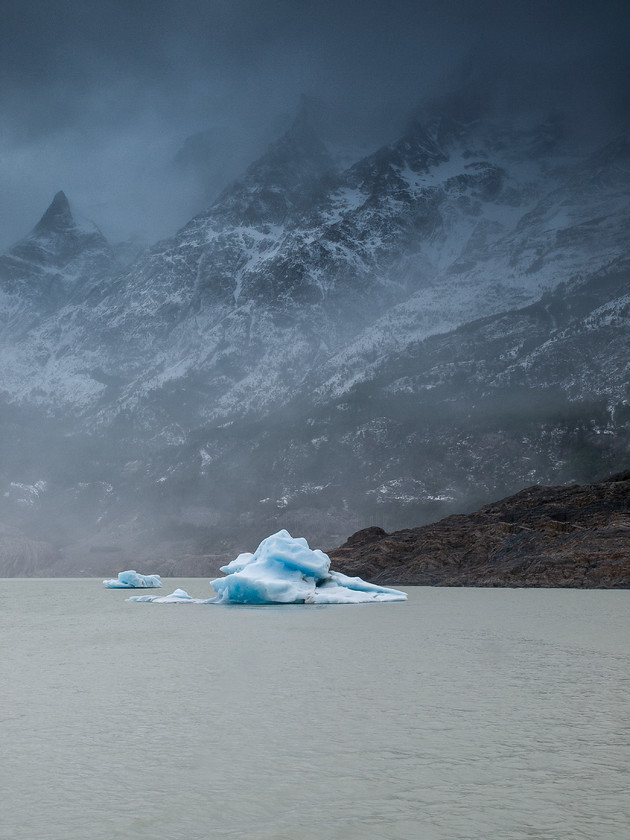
{"type": "Point", "coordinates": [577, 536]}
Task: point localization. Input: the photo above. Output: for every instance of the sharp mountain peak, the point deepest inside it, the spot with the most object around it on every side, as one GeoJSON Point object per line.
{"type": "Point", "coordinates": [58, 216]}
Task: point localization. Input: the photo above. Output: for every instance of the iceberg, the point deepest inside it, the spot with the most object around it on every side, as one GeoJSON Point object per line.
{"type": "Point", "coordinates": [132, 580]}
{"type": "Point", "coordinates": [284, 570]}
{"type": "Point", "coordinates": [180, 596]}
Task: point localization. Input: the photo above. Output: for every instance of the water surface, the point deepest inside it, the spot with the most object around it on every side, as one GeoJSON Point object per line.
{"type": "Point", "coordinates": [462, 714]}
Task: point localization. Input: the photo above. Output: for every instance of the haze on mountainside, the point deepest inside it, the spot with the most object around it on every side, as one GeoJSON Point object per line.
{"type": "Point", "coordinates": [350, 332]}
{"type": "Point", "coordinates": [141, 112]}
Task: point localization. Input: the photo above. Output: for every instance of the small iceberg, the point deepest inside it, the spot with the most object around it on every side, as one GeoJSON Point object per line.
{"type": "Point", "coordinates": [180, 596]}
{"type": "Point", "coordinates": [132, 580]}
{"type": "Point", "coordinates": [284, 570]}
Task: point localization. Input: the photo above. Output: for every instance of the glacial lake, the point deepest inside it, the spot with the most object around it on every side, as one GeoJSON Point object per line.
{"type": "Point", "coordinates": [462, 714]}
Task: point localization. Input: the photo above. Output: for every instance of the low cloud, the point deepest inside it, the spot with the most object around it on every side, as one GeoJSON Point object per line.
{"type": "Point", "coordinates": [98, 97]}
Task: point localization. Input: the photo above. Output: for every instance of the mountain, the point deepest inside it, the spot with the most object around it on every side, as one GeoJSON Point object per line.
{"type": "Point", "coordinates": [54, 261]}
{"type": "Point", "coordinates": [573, 536]}
{"type": "Point", "coordinates": [431, 328]}
{"type": "Point", "coordinates": [44, 278]}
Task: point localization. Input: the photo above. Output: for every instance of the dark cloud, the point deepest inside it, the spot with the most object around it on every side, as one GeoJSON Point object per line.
{"type": "Point", "coordinates": [98, 96]}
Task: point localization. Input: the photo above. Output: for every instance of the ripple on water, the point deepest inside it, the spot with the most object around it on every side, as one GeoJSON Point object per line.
{"type": "Point", "coordinates": [459, 715]}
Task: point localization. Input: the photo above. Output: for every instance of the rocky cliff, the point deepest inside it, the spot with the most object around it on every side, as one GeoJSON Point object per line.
{"type": "Point", "coordinates": [577, 536]}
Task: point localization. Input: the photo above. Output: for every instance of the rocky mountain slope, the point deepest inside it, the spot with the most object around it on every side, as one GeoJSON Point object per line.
{"type": "Point", "coordinates": [435, 326]}
{"type": "Point", "coordinates": [451, 222]}
{"type": "Point", "coordinates": [576, 536]}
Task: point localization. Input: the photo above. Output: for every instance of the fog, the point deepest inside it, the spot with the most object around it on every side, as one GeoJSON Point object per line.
{"type": "Point", "coordinates": [98, 98]}
{"type": "Point", "coordinates": [142, 113]}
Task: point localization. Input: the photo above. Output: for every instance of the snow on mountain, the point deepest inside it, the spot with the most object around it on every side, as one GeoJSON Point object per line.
{"type": "Point", "coordinates": [312, 295]}
{"type": "Point", "coordinates": [54, 260]}
{"type": "Point", "coordinates": [507, 233]}
{"type": "Point", "coordinates": [44, 280]}
{"type": "Point", "coordinates": [448, 223]}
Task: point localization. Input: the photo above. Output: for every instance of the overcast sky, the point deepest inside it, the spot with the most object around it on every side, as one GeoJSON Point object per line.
{"type": "Point", "coordinates": [97, 96]}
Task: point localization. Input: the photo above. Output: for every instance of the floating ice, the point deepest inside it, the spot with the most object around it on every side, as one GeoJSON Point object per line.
{"type": "Point", "coordinates": [180, 596]}
{"type": "Point", "coordinates": [284, 570]}
{"type": "Point", "coordinates": [132, 580]}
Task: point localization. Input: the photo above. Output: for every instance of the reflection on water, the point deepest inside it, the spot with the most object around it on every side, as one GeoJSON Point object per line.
{"type": "Point", "coordinates": [462, 714]}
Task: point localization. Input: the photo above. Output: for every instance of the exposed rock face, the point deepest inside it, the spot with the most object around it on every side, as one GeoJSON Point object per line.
{"type": "Point", "coordinates": [576, 536]}
{"type": "Point", "coordinates": [57, 262]}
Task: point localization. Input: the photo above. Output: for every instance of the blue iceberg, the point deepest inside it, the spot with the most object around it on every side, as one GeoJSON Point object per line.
{"type": "Point", "coordinates": [284, 570]}
{"type": "Point", "coordinates": [132, 580]}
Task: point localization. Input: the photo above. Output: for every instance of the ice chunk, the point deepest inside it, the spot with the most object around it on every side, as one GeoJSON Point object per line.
{"type": "Point", "coordinates": [239, 564]}
{"type": "Point", "coordinates": [341, 589]}
{"type": "Point", "coordinates": [180, 596]}
{"type": "Point", "coordinates": [284, 570]}
{"type": "Point", "coordinates": [293, 554]}
{"type": "Point", "coordinates": [132, 580]}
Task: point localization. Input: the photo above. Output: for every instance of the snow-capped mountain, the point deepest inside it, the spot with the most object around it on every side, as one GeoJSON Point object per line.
{"type": "Point", "coordinates": [57, 262]}
{"type": "Point", "coordinates": [290, 348]}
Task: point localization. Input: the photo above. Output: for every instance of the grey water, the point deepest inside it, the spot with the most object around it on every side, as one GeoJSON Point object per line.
{"type": "Point", "coordinates": [462, 714]}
